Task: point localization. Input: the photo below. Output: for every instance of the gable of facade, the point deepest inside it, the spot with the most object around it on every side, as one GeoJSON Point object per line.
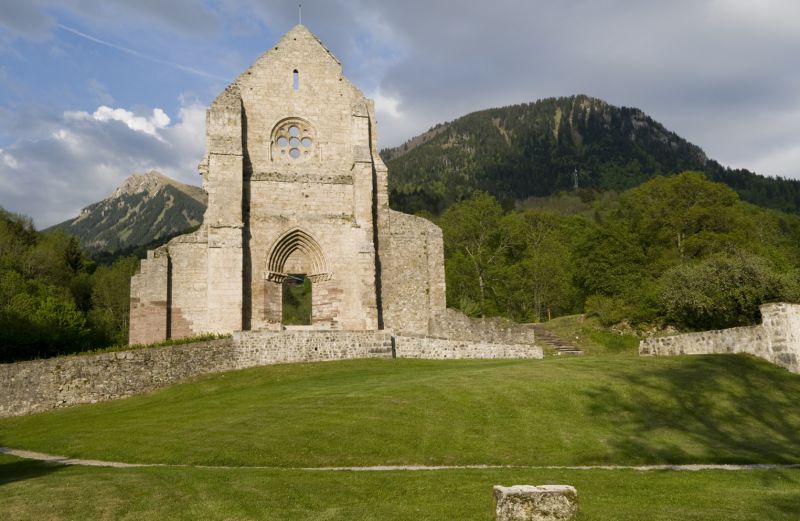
{"type": "Point", "coordinates": [296, 189]}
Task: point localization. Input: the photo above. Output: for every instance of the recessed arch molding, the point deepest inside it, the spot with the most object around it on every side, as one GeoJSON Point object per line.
{"type": "Point", "coordinates": [292, 241]}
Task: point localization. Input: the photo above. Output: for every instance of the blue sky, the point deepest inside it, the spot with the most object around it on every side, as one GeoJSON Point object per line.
{"type": "Point", "coordinates": [93, 90]}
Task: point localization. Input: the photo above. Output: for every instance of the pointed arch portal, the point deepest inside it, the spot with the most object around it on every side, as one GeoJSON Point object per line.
{"type": "Point", "coordinates": [289, 245]}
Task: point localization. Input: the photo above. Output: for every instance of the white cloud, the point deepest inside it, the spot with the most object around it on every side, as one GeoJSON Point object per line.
{"type": "Point", "coordinates": [148, 125]}
{"type": "Point", "coordinates": [78, 158]}
{"type": "Point", "coordinates": [386, 104]}
{"type": "Point", "coordinates": [8, 159]}
{"type": "Point", "coordinates": [68, 138]}
{"type": "Point", "coordinates": [186, 140]}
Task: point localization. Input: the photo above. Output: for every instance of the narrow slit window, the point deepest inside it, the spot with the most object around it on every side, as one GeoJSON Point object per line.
{"type": "Point", "coordinates": [296, 80]}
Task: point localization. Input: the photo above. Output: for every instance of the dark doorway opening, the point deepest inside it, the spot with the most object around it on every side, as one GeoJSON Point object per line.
{"type": "Point", "coordinates": [296, 300]}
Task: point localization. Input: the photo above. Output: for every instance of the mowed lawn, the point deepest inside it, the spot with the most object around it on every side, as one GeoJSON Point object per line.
{"type": "Point", "coordinates": [34, 491]}
{"type": "Point", "coordinates": [594, 410]}
{"type": "Point", "coordinates": [619, 410]}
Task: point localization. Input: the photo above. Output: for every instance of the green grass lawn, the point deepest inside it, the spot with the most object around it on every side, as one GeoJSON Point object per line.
{"type": "Point", "coordinates": [594, 410]}
{"type": "Point", "coordinates": [30, 490]}
{"type": "Point", "coordinates": [576, 411]}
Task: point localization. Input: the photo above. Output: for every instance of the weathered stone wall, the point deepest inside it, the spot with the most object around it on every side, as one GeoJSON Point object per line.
{"type": "Point", "coordinates": [149, 297]}
{"type": "Point", "coordinates": [776, 339]}
{"type": "Point", "coordinates": [343, 294]}
{"type": "Point", "coordinates": [414, 292]}
{"type": "Point", "coordinates": [529, 503]}
{"type": "Point", "coordinates": [259, 191]}
{"type": "Point", "coordinates": [222, 169]}
{"type": "Point", "coordinates": [412, 269]}
{"type": "Point", "coordinates": [451, 323]}
{"type": "Point", "coordinates": [408, 346]}
{"type": "Point", "coordinates": [188, 312]}
{"type": "Point", "coordinates": [41, 385]}
{"type": "Point", "coordinates": [272, 347]}
{"type": "Point", "coordinates": [326, 192]}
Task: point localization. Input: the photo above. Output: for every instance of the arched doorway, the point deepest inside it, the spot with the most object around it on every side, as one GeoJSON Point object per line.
{"type": "Point", "coordinates": [296, 300]}
{"type": "Point", "coordinates": [295, 264]}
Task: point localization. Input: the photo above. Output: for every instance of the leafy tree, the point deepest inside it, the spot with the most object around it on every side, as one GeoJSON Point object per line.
{"type": "Point", "coordinates": [719, 291]}
{"type": "Point", "coordinates": [296, 300]}
{"type": "Point", "coordinates": [474, 249]}
{"type": "Point", "coordinates": [609, 260]}
{"type": "Point", "coordinates": [40, 320]}
{"type": "Point", "coordinates": [44, 291]}
{"type": "Point", "coordinates": [110, 301]}
{"type": "Point", "coordinates": [534, 276]}
{"type": "Point", "coordinates": [684, 216]}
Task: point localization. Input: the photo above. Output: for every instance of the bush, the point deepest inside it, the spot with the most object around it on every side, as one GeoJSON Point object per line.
{"type": "Point", "coordinates": [609, 310]}
{"type": "Point", "coordinates": [719, 292]}
{"type": "Point", "coordinates": [43, 321]}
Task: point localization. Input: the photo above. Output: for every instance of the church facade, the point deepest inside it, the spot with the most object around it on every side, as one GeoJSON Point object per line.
{"type": "Point", "coordinates": [296, 192]}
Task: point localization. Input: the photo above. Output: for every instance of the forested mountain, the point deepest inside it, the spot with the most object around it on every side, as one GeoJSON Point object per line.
{"type": "Point", "coordinates": [552, 145]}
{"type": "Point", "coordinates": [146, 208]}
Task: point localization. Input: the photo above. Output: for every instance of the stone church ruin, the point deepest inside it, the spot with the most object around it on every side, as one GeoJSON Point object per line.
{"type": "Point", "coordinates": [297, 196]}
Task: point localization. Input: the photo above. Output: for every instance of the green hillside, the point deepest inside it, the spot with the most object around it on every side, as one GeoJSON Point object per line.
{"type": "Point", "coordinates": [541, 148]}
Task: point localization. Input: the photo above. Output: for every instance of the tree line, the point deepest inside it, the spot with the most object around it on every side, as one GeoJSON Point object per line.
{"type": "Point", "coordinates": [679, 250]}
{"type": "Point", "coordinates": [54, 299]}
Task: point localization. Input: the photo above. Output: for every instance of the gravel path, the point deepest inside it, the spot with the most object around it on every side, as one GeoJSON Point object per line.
{"type": "Point", "coordinates": [62, 460]}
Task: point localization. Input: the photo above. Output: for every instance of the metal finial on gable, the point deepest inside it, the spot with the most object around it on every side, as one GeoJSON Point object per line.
{"type": "Point", "coordinates": [300, 13]}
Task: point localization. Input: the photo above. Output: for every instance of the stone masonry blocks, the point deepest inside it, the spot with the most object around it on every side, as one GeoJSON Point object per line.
{"type": "Point", "coordinates": [542, 503]}
{"type": "Point", "coordinates": [149, 299]}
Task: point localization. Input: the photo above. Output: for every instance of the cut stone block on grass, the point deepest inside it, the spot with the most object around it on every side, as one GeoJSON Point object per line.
{"type": "Point", "coordinates": [529, 503]}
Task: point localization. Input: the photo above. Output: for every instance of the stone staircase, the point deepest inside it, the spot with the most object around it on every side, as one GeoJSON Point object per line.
{"type": "Point", "coordinates": [560, 346]}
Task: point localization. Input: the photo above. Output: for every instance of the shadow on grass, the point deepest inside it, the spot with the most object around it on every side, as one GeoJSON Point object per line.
{"type": "Point", "coordinates": [782, 497]}
{"type": "Point", "coordinates": [789, 505]}
{"type": "Point", "coordinates": [22, 470]}
{"type": "Point", "coordinates": [710, 409]}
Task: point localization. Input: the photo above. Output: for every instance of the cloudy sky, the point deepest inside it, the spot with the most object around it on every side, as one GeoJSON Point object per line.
{"type": "Point", "coordinates": [92, 90]}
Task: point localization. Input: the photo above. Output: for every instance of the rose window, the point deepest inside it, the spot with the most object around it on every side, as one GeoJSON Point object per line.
{"type": "Point", "coordinates": [292, 140]}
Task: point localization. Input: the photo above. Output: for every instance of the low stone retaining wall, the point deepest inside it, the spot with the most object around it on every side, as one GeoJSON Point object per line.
{"type": "Point", "coordinates": [776, 339]}
{"type": "Point", "coordinates": [41, 385]}
{"type": "Point", "coordinates": [407, 346]}
{"type": "Point", "coordinates": [279, 347]}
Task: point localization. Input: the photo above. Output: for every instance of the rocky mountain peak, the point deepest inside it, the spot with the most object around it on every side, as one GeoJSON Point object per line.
{"type": "Point", "coordinates": [146, 207]}
{"type": "Point", "coordinates": [147, 182]}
